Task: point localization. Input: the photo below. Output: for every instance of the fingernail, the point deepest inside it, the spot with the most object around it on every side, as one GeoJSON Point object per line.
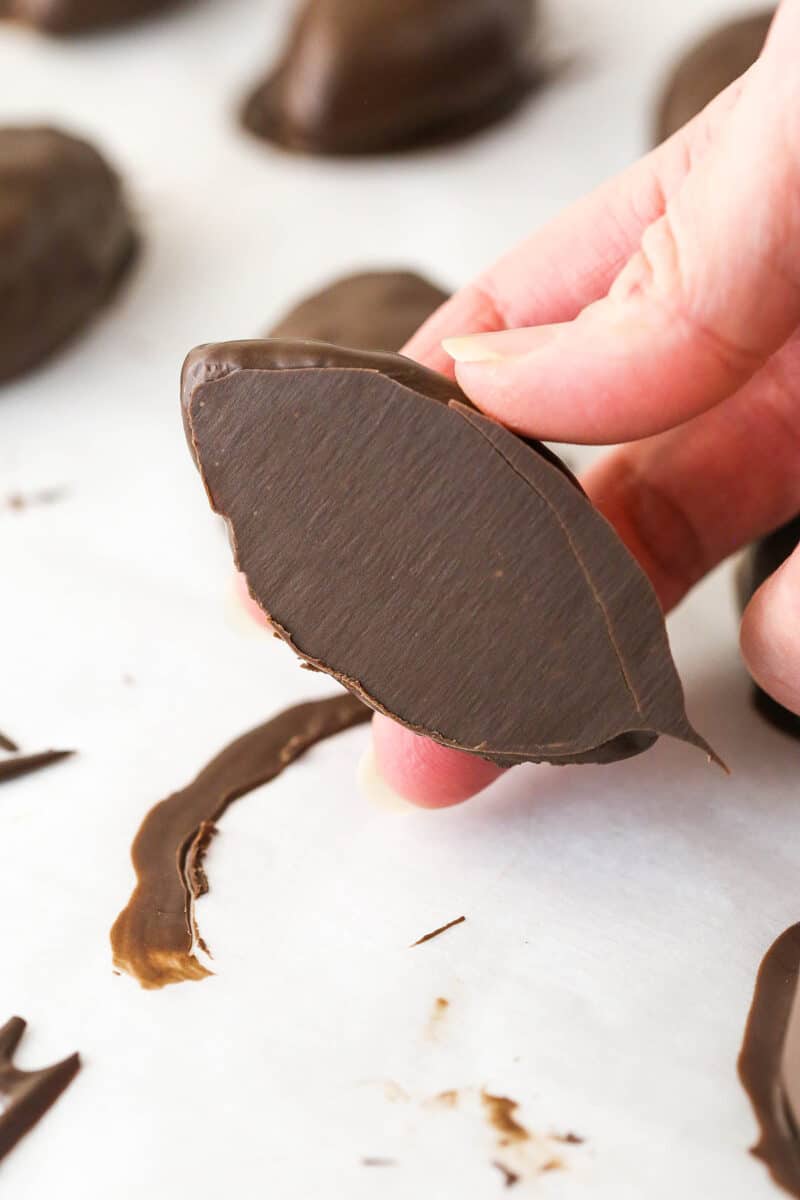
{"type": "Point", "coordinates": [375, 789]}
{"type": "Point", "coordinates": [500, 345]}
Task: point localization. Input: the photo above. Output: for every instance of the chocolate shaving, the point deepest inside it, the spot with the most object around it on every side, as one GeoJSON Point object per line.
{"type": "Point", "coordinates": [155, 936]}
{"type": "Point", "coordinates": [25, 764]}
{"type": "Point", "coordinates": [452, 575]}
{"type": "Point", "coordinates": [25, 1096]}
{"type": "Point", "coordinates": [7, 744]}
{"type": "Point", "coordinates": [764, 1056]}
{"type": "Point", "coordinates": [435, 933]}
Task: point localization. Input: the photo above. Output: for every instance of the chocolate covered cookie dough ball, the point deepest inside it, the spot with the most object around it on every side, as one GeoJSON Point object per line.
{"type": "Point", "coordinates": [361, 78]}
{"type": "Point", "coordinates": [373, 310]}
{"type": "Point", "coordinates": [713, 64]}
{"type": "Point", "coordinates": [66, 239]}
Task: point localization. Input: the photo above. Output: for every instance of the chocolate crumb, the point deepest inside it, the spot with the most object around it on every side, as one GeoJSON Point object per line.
{"type": "Point", "coordinates": [568, 1139]}
{"type": "Point", "coordinates": [435, 933]}
{"type": "Point", "coordinates": [509, 1177]}
{"type": "Point", "coordinates": [500, 1113]}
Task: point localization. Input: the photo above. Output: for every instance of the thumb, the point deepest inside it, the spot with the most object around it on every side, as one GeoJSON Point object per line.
{"type": "Point", "coordinates": [712, 291]}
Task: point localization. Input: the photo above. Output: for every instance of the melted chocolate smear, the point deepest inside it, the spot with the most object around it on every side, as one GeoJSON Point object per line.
{"type": "Point", "coordinates": [25, 764]}
{"type": "Point", "coordinates": [374, 310]}
{"type": "Point", "coordinates": [709, 67]}
{"type": "Point", "coordinates": [359, 78]}
{"type": "Point", "coordinates": [509, 1177]}
{"type": "Point", "coordinates": [762, 560]}
{"type": "Point", "coordinates": [66, 241]}
{"type": "Point", "coordinates": [25, 1096]}
{"type": "Point", "coordinates": [500, 1114]}
{"type": "Point", "coordinates": [763, 1060]}
{"type": "Point", "coordinates": [497, 611]}
{"type": "Point", "coordinates": [7, 744]}
{"type": "Point", "coordinates": [78, 16]}
{"type": "Point", "coordinates": [154, 938]}
{"type": "Point", "coordinates": [435, 933]}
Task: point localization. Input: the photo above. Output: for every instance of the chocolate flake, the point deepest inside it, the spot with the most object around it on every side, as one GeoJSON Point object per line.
{"type": "Point", "coordinates": [373, 310]}
{"type": "Point", "coordinates": [359, 78]}
{"type": "Point", "coordinates": [435, 933]}
{"type": "Point", "coordinates": [7, 744]}
{"type": "Point", "coordinates": [769, 1063]}
{"type": "Point", "coordinates": [509, 1177]}
{"type": "Point", "coordinates": [451, 574]}
{"type": "Point", "coordinates": [25, 764]}
{"type": "Point", "coordinates": [155, 936]}
{"type": "Point", "coordinates": [500, 1114]}
{"type": "Point", "coordinates": [25, 1096]}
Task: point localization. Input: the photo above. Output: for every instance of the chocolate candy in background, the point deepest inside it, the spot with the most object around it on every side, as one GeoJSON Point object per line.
{"type": "Point", "coordinates": [66, 240]}
{"type": "Point", "coordinates": [373, 310]}
{"type": "Point", "coordinates": [760, 561]}
{"type": "Point", "coordinates": [78, 16]}
{"type": "Point", "coordinates": [361, 78]}
{"type": "Point", "coordinates": [708, 68]}
{"type": "Point", "coordinates": [450, 574]}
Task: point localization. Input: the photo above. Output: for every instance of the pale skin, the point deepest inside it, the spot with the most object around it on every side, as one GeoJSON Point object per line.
{"type": "Point", "coordinates": [663, 312]}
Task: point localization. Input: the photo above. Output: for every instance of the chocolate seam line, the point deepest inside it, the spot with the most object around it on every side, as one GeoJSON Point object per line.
{"type": "Point", "coordinates": [466, 415]}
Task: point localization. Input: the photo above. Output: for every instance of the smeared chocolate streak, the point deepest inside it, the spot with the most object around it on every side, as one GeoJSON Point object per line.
{"type": "Point", "coordinates": [769, 1062]}
{"type": "Point", "coordinates": [154, 938]}
{"type": "Point", "coordinates": [24, 764]}
{"type": "Point", "coordinates": [25, 1096]}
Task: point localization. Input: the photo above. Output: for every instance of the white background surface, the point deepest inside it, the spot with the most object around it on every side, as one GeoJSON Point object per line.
{"type": "Point", "coordinates": [616, 916]}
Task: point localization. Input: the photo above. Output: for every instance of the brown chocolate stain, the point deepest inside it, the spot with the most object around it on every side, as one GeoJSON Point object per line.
{"type": "Point", "coordinates": [25, 1096]}
{"type": "Point", "coordinates": [447, 1099]}
{"type": "Point", "coordinates": [500, 1114]}
{"type": "Point", "coordinates": [20, 501]}
{"type": "Point", "coordinates": [568, 1139]}
{"type": "Point", "coordinates": [378, 1162]}
{"type": "Point", "coordinates": [509, 1177]}
{"type": "Point", "coordinates": [25, 764]}
{"type": "Point", "coordinates": [439, 1011]}
{"type": "Point", "coordinates": [760, 1059]}
{"type": "Point", "coordinates": [435, 933]}
{"type": "Point", "coordinates": [154, 938]}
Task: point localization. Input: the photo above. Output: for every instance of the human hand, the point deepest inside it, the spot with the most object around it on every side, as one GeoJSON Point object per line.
{"type": "Point", "coordinates": [663, 311]}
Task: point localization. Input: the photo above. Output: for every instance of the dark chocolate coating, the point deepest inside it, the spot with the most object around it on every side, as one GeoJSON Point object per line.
{"type": "Point", "coordinates": [374, 310]}
{"type": "Point", "coordinates": [761, 561]}
{"type": "Point", "coordinates": [709, 67]}
{"type": "Point", "coordinates": [25, 1096]}
{"type": "Point", "coordinates": [65, 241]}
{"type": "Point", "coordinates": [450, 574]}
{"type": "Point", "coordinates": [771, 1048]}
{"type": "Point", "coordinates": [361, 78]}
{"type": "Point", "coordinates": [78, 16]}
{"type": "Point", "coordinates": [153, 938]}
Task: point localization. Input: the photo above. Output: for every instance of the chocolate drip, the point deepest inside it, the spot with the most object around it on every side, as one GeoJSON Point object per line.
{"type": "Point", "coordinates": [25, 1096]}
{"type": "Point", "coordinates": [771, 1049]}
{"type": "Point", "coordinates": [154, 937]}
